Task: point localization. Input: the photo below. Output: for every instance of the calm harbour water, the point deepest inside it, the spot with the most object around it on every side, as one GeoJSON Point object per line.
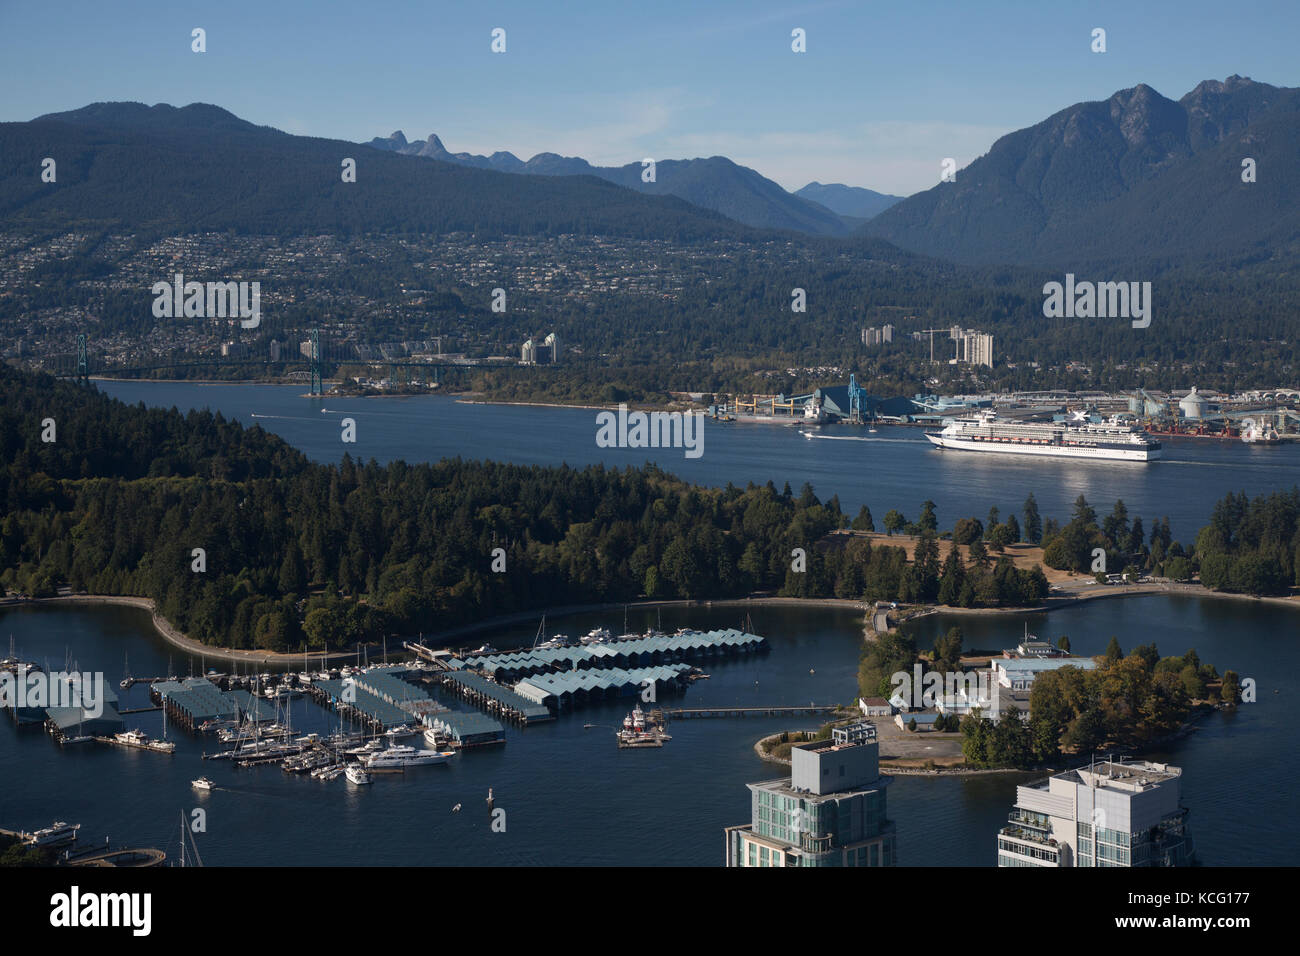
{"type": "Point", "coordinates": [894, 468]}
{"type": "Point", "coordinates": [570, 796]}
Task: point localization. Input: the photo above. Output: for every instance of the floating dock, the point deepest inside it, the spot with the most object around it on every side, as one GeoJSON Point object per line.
{"type": "Point", "coordinates": [378, 698]}
{"type": "Point", "coordinates": [466, 730]}
{"type": "Point", "coordinates": [571, 689]}
{"type": "Point", "coordinates": [191, 701]}
{"type": "Point", "coordinates": [496, 699]}
{"type": "Point", "coordinates": [687, 647]}
{"type": "Point", "coordinates": [751, 711]}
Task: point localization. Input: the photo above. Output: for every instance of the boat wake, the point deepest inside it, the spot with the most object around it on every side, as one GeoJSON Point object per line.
{"type": "Point", "coordinates": [1225, 464]}
{"type": "Point", "coordinates": [896, 441]}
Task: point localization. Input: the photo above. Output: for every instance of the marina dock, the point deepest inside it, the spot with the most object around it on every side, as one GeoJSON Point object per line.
{"type": "Point", "coordinates": [654, 650]}
{"type": "Point", "coordinates": [569, 690]}
{"type": "Point", "coordinates": [191, 701]}
{"type": "Point", "coordinates": [496, 699]}
{"type": "Point", "coordinates": [379, 698]}
{"type": "Point", "coordinates": [533, 684]}
{"type": "Point", "coordinates": [130, 857]}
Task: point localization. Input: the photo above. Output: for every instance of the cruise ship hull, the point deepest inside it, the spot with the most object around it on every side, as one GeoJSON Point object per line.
{"type": "Point", "coordinates": [1090, 452]}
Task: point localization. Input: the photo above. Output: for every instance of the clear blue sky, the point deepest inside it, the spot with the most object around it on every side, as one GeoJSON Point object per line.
{"type": "Point", "coordinates": [884, 92]}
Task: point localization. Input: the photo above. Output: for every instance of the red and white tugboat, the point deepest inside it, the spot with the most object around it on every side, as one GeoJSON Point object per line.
{"type": "Point", "coordinates": [637, 733]}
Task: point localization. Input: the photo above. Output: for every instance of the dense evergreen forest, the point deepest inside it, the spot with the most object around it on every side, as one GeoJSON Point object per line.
{"type": "Point", "coordinates": [298, 554]}
{"type": "Point", "coordinates": [1251, 546]}
{"type": "Point", "coordinates": [304, 555]}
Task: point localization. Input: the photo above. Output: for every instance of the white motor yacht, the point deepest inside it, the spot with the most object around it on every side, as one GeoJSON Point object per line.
{"type": "Point", "coordinates": [56, 834]}
{"type": "Point", "coordinates": [401, 757]}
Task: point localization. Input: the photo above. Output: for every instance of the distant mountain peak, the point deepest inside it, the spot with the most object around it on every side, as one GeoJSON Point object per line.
{"type": "Point", "coordinates": [140, 115]}
{"type": "Point", "coordinates": [1229, 85]}
{"type": "Point", "coordinates": [1136, 174]}
{"type": "Point", "coordinates": [716, 183]}
{"type": "Point", "coordinates": [854, 202]}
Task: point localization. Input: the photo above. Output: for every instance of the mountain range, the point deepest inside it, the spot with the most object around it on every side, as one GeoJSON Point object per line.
{"type": "Point", "coordinates": [162, 169]}
{"type": "Point", "coordinates": [1136, 176]}
{"type": "Point", "coordinates": [716, 183]}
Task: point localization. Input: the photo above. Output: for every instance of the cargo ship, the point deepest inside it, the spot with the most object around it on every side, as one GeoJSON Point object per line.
{"type": "Point", "coordinates": [1111, 440]}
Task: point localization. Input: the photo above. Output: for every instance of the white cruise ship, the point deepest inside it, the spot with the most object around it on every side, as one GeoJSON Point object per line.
{"type": "Point", "coordinates": [1079, 438]}
{"type": "Point", "coordinates": [401, 757]}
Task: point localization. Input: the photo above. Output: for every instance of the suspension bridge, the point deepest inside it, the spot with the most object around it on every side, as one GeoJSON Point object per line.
{"type": "Point", "coordinates": [312, 359]}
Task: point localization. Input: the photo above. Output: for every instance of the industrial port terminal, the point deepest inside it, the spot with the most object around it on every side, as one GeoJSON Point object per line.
{"type": "Point", "coordinates": [1259, 416]}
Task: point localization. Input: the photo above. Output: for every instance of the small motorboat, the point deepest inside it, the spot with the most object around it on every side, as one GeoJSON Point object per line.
{"type": "Point", "coordinates": [203, 783]}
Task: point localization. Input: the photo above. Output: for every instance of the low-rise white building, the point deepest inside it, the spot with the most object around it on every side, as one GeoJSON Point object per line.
{"type": "Point", "coordinates": [875, 707]}
{"type": "Point", "coordinates": [1018, 673]}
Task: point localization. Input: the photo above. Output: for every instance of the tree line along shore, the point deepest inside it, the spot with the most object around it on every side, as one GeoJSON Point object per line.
{"type": "Point", "coordinates": [243, 543]}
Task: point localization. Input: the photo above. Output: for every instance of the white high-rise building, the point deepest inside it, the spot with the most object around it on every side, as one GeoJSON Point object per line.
{"type": "Point", "coordinates": [972, 347]}
{"type": "Point", "coordinates": [877, 336]}
{"type": "Point", "coordinates": [1114, 813]}
{"type": "Point", "coordinates": [547, 353]}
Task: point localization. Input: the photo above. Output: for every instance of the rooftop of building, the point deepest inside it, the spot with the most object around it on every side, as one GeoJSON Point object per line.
{"type": "Point", "coordinates": [1136, 776]}
{"type": "Point", "coordinates": [1128, 776]}
{"type": "Point", "coordinates": [1042, 663]}
{"type": "Point", "coordinates": [467, 723]}
{"type": "Point", "coordinates": [781, 786]}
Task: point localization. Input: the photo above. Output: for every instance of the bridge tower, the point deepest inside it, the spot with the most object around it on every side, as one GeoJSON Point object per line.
{"type": "Point", "coordinates": [316, 388]}
{"type": "Point", "coordinates": [83, 364]}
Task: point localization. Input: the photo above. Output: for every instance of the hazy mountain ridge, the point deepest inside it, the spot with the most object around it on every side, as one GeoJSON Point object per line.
{"type": "Point", "coordinates": [854, 202]}
{"type": "Point", "coordinates": [715, 183]}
